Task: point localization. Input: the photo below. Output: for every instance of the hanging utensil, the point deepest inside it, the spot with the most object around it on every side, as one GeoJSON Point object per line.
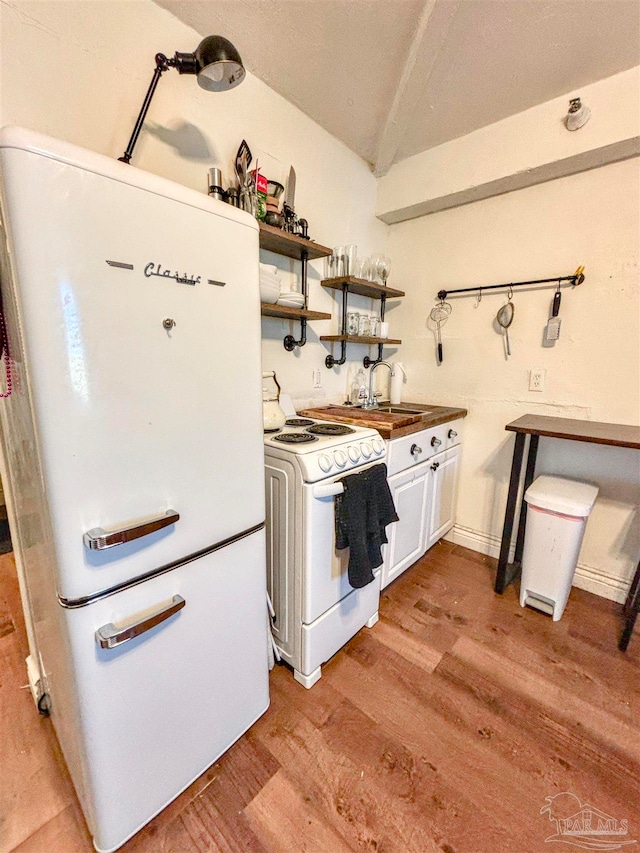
{"type": "Point", "coordinates": [505, 318]}
{"type": "Point", "coordinates": [288, 208]}
{"type": "Point", "coordinates": [552, 329]}
{"type": "Point", "coordinates": [439, 314]}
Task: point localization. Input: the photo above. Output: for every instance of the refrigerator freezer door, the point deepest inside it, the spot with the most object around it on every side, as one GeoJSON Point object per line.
{"type": "Point", "coordinates": [138, 722]}
{"type": "Point", "coordinates": [132, 305]}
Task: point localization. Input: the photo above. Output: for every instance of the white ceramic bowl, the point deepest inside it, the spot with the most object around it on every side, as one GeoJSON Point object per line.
{"type": "Point", "coordinates": [291, 303]}
{"type": "Point", "coordinates": [269, 292]}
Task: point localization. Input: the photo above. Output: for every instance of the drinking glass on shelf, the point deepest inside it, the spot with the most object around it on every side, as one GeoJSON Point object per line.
{"type": "Point", "coordinates": [374, 327]}
{"type": "Point", "coordinates": [353, 322]}
{"type": "Point", "coordinates": [329, 267]}
{"type": "Point", "coordinates": [385, 269]}
{"type": "Point", "coordinates": [362, 268]}
{"type": "Point", "coordinates": [350, 259]}
{"type": "Point", "coordinates": [377, 264]}
{"type": "Point", "coordinates": [363, 325]}
{"type": "Point", "coordinates": [338, 261]}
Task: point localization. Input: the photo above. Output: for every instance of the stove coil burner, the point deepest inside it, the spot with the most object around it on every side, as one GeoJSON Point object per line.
{"type": "Point", "coordinates": [330, 429]}
{"type": "Point", "coordinates": [299, 422]}
{"type": "Point", "coordinates": [294, 438]}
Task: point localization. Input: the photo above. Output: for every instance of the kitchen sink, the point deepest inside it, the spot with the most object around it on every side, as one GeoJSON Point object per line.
{"type": "Point", "coordinates": [401, 410]}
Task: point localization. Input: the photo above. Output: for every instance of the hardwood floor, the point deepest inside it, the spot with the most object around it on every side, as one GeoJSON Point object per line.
{"type": "Point", "coordinates": [444, 728]}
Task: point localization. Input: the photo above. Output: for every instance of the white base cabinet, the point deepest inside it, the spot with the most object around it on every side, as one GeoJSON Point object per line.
{"type": "Point", "coordinates": [423, 477]}
{"type": "Point", "coordinates": [442, 504]}
{"type": "Point", "coordinates": [406, 537]}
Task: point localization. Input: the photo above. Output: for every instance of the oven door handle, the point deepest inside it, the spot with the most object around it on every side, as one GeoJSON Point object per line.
{"type": "Point", "coordinates": [329, 491]}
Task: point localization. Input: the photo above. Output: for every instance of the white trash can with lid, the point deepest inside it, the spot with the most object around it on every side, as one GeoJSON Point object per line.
{"type": "Point", "coordinates": [557, 512]}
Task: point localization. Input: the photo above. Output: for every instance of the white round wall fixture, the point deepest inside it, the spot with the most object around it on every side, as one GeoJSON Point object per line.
{"type": "Point", "coordinates": [578, 114]}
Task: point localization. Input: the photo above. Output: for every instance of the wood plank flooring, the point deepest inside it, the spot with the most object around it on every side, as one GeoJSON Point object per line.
{"type": "Point", "coordinates": [444, 728]}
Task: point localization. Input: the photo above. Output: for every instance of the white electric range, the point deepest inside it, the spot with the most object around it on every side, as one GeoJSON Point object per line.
{"type": "Point", "coordinates": [316, 609]}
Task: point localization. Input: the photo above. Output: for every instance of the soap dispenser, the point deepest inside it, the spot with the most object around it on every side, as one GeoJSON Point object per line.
{"type": "Point", "coordinates": [359, 389]}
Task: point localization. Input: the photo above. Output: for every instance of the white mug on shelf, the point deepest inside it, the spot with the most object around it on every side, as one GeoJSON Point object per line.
{"type": "Point", "coordinates": [384, 329]}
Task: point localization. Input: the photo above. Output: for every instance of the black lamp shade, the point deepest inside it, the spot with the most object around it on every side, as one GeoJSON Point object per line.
{"type": "Point", "coordinates": [218, 64]}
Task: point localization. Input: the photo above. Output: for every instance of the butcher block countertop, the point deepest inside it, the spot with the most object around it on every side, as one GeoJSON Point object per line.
{"type": "Point", "coordinates": [388, 425]}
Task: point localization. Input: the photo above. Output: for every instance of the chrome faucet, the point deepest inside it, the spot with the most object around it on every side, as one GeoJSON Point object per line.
{"type": "Point", "coordinates": [371, 402]}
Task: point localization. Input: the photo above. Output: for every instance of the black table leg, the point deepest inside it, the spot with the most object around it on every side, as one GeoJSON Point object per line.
{"type": "Point", "coordinates": [528, 479]}
{"type": "Point", "coordinates": [631, 608]}
{"type": "Point", "coordinates": [502, 575]}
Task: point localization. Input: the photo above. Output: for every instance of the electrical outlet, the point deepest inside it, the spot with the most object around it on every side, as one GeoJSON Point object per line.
{"type": "Point", "coordinates": [536, 379]}
{"type": "Point", "coordinates": [317, 378]}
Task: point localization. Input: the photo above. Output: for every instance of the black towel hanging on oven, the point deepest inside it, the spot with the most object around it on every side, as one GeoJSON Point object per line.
{"type": "Point", "coordinates": [362, 513]}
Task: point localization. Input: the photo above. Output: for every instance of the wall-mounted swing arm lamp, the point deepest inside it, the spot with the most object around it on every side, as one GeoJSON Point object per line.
{"type": "Point", "coordinates": [216, 63]}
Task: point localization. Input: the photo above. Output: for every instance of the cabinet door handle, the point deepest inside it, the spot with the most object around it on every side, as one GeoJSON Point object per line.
{"type": "Point", "coordinates": [452, 433]}
{"type": "Point", "coordinates": [435, 442]}
{"type": "Point", "coordinates": [415, 450]}
{"type": "Point", "coordinates": [435, 466]}
{"type": "Point", "coordinates": [108, 637]}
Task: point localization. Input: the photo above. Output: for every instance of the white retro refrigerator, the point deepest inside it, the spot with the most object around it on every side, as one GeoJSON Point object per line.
{"type": "Point", "coordinates": [133, 465]}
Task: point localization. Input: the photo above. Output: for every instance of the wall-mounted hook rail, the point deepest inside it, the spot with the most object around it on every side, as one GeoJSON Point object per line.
{"type": "Point", "coordinates": [574, 280]}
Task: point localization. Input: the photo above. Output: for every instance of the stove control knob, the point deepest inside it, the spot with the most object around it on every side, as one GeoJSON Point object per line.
{"type": "Point", "coordinates": [354, 453]}
{"type": "Point", "coordinates": [378, 446]}
{"type": "Point", "coordinates": [325, 462]}
{"type": "Point", "coordinates": [340, 458]}
{"type": "Point", "coordinates": [366, 449]}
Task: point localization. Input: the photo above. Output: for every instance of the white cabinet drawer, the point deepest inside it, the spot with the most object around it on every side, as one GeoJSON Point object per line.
{"type": "Point", "coordinates": [413, 449]}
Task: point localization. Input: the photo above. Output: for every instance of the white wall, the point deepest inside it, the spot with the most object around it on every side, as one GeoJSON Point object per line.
{"type": "Point", "coordinates": [593, 372]}
{"type": "Point", "coordinates": [95, 61]}
{"type": "Point", "coordinates": [519, 151]}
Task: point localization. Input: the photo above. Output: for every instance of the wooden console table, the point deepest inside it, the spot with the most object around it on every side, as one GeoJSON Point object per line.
{"type": "Point", "coordinates": [618, 435]}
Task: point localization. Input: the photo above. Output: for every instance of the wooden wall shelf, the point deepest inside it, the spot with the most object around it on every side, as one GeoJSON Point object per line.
{"type": "Point", "coordinates": [362, 287]}
{"type": "Point", "coordinates": [359, 339]}
{"type": "Point", "coordinates": [291, 246]}
{"type": "Point", "coordinates": [284, 312]}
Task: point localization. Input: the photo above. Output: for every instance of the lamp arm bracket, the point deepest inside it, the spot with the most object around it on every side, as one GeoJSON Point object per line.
{"type": "Point", "coordinates": [162, 65]}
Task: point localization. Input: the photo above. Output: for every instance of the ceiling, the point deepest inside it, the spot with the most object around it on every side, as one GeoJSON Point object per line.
{"type": "Point", "coordinates": [391, 78]}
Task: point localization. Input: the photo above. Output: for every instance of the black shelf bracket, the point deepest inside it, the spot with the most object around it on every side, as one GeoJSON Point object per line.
{"type": "Point", "coordinates": [330, 361]}
{"type": "Point", "coordinates": [290, 343]}
{"type": "Point", "coordinates": [366, 361]}
{"type": "Point", "coordinates": [574, 280]}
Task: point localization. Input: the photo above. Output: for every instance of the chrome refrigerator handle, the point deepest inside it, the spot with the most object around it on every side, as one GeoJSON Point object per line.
{"type": "Point", "coordinates": [109, 636]}
{"type": "Point", "coordinates": [98, 539]}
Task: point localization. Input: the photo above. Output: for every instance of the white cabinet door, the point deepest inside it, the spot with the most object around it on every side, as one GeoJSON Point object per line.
{"type": "Point", "coordinates": [443, 478]}
{"type": "Point", "coordinates": [406, 536]}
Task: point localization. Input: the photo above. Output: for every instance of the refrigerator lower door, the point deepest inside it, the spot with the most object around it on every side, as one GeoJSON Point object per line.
{"type": "Point", "coordinates": [138, 722]}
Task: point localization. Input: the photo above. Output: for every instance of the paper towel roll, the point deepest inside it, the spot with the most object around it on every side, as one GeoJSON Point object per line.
{"type": "Point", "coordinates": [397, 378]}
